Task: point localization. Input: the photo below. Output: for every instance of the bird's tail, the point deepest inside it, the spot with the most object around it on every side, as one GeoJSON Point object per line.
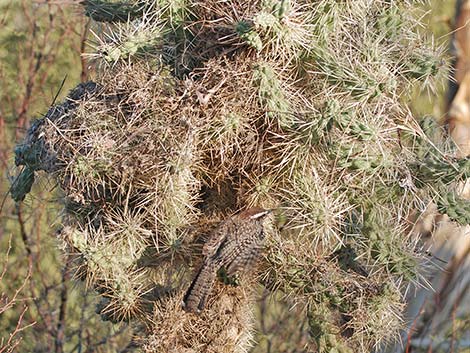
{"type": "Point", "coordinates": [196, 295]}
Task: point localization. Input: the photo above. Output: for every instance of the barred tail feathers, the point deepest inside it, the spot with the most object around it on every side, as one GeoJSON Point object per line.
{"type": "Point", "coordinates": [201, 286]}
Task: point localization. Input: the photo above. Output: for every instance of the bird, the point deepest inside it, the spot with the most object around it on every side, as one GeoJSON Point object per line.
{"type": "Point", "coordinates": [235, 245]}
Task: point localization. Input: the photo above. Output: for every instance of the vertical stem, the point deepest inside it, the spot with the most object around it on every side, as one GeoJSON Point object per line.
{"type": "Point", "coordinates": [59, 341]}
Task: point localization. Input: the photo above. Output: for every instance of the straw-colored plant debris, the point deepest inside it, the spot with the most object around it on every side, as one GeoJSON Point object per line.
{"type": "Point", "coordinates": [203, 108]}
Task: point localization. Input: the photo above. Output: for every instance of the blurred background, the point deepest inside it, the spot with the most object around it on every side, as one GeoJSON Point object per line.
{"type": "Point", "coordinates": [43, 310]}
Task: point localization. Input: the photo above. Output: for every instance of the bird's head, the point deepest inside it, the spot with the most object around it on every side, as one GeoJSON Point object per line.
{"type": "Point", "coordinates": [255, 213]}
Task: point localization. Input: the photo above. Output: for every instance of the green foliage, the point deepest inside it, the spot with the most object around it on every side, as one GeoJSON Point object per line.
{"type": "Point", "coordinates": [390, 22]}
{"type": "Point", "coordinates": [323, 331]}
{"type": "Point", "coordinates": [28, 155]}
{"type": "Point", "coordinates": [249, 35]}
{"type": "Point", "coordinates": [458, 209]}
{"type": "Point", "coordinates": [22, 184]}
{"type": "Point", "coordinates": [105, 11]}
{"type": "Point", "coordinates": [385, 247]}
{"type": "Point", "coordinates": [424, 65]}
{"type": "Point", "coordinates": [270, 93]}
{"type": "Point", "coordinates": [445, 170]}
{"type": "Point", "coordinates": [436, 17]}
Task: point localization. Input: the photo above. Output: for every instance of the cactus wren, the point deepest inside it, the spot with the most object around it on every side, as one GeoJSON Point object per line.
{"type": "Point", "coordinates": [235, 245]}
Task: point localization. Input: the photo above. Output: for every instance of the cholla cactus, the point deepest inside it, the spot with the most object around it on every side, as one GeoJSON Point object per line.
{"type": "Point", "coordinates": [202, 108]}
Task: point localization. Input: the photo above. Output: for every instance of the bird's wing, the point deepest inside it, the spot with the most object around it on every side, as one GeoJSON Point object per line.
{"type": "Point", "coordinates": [247, 254]}
{"type": "Point", "coordinates": [216, 238]}
{"type": "Point", "coordinates": [245, 261]}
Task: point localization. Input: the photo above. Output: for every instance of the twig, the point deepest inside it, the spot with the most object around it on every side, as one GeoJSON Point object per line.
{"type": "Point", "coordinates": [59, 347]}
{"type": "Point", "coordinates": [24, 235]}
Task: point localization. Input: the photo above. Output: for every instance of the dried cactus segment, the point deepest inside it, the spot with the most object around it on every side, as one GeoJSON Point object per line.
{"type": "Point", "coordinates": [376, 317]}
{"type": "Point", "coordinates": [224, 326]}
